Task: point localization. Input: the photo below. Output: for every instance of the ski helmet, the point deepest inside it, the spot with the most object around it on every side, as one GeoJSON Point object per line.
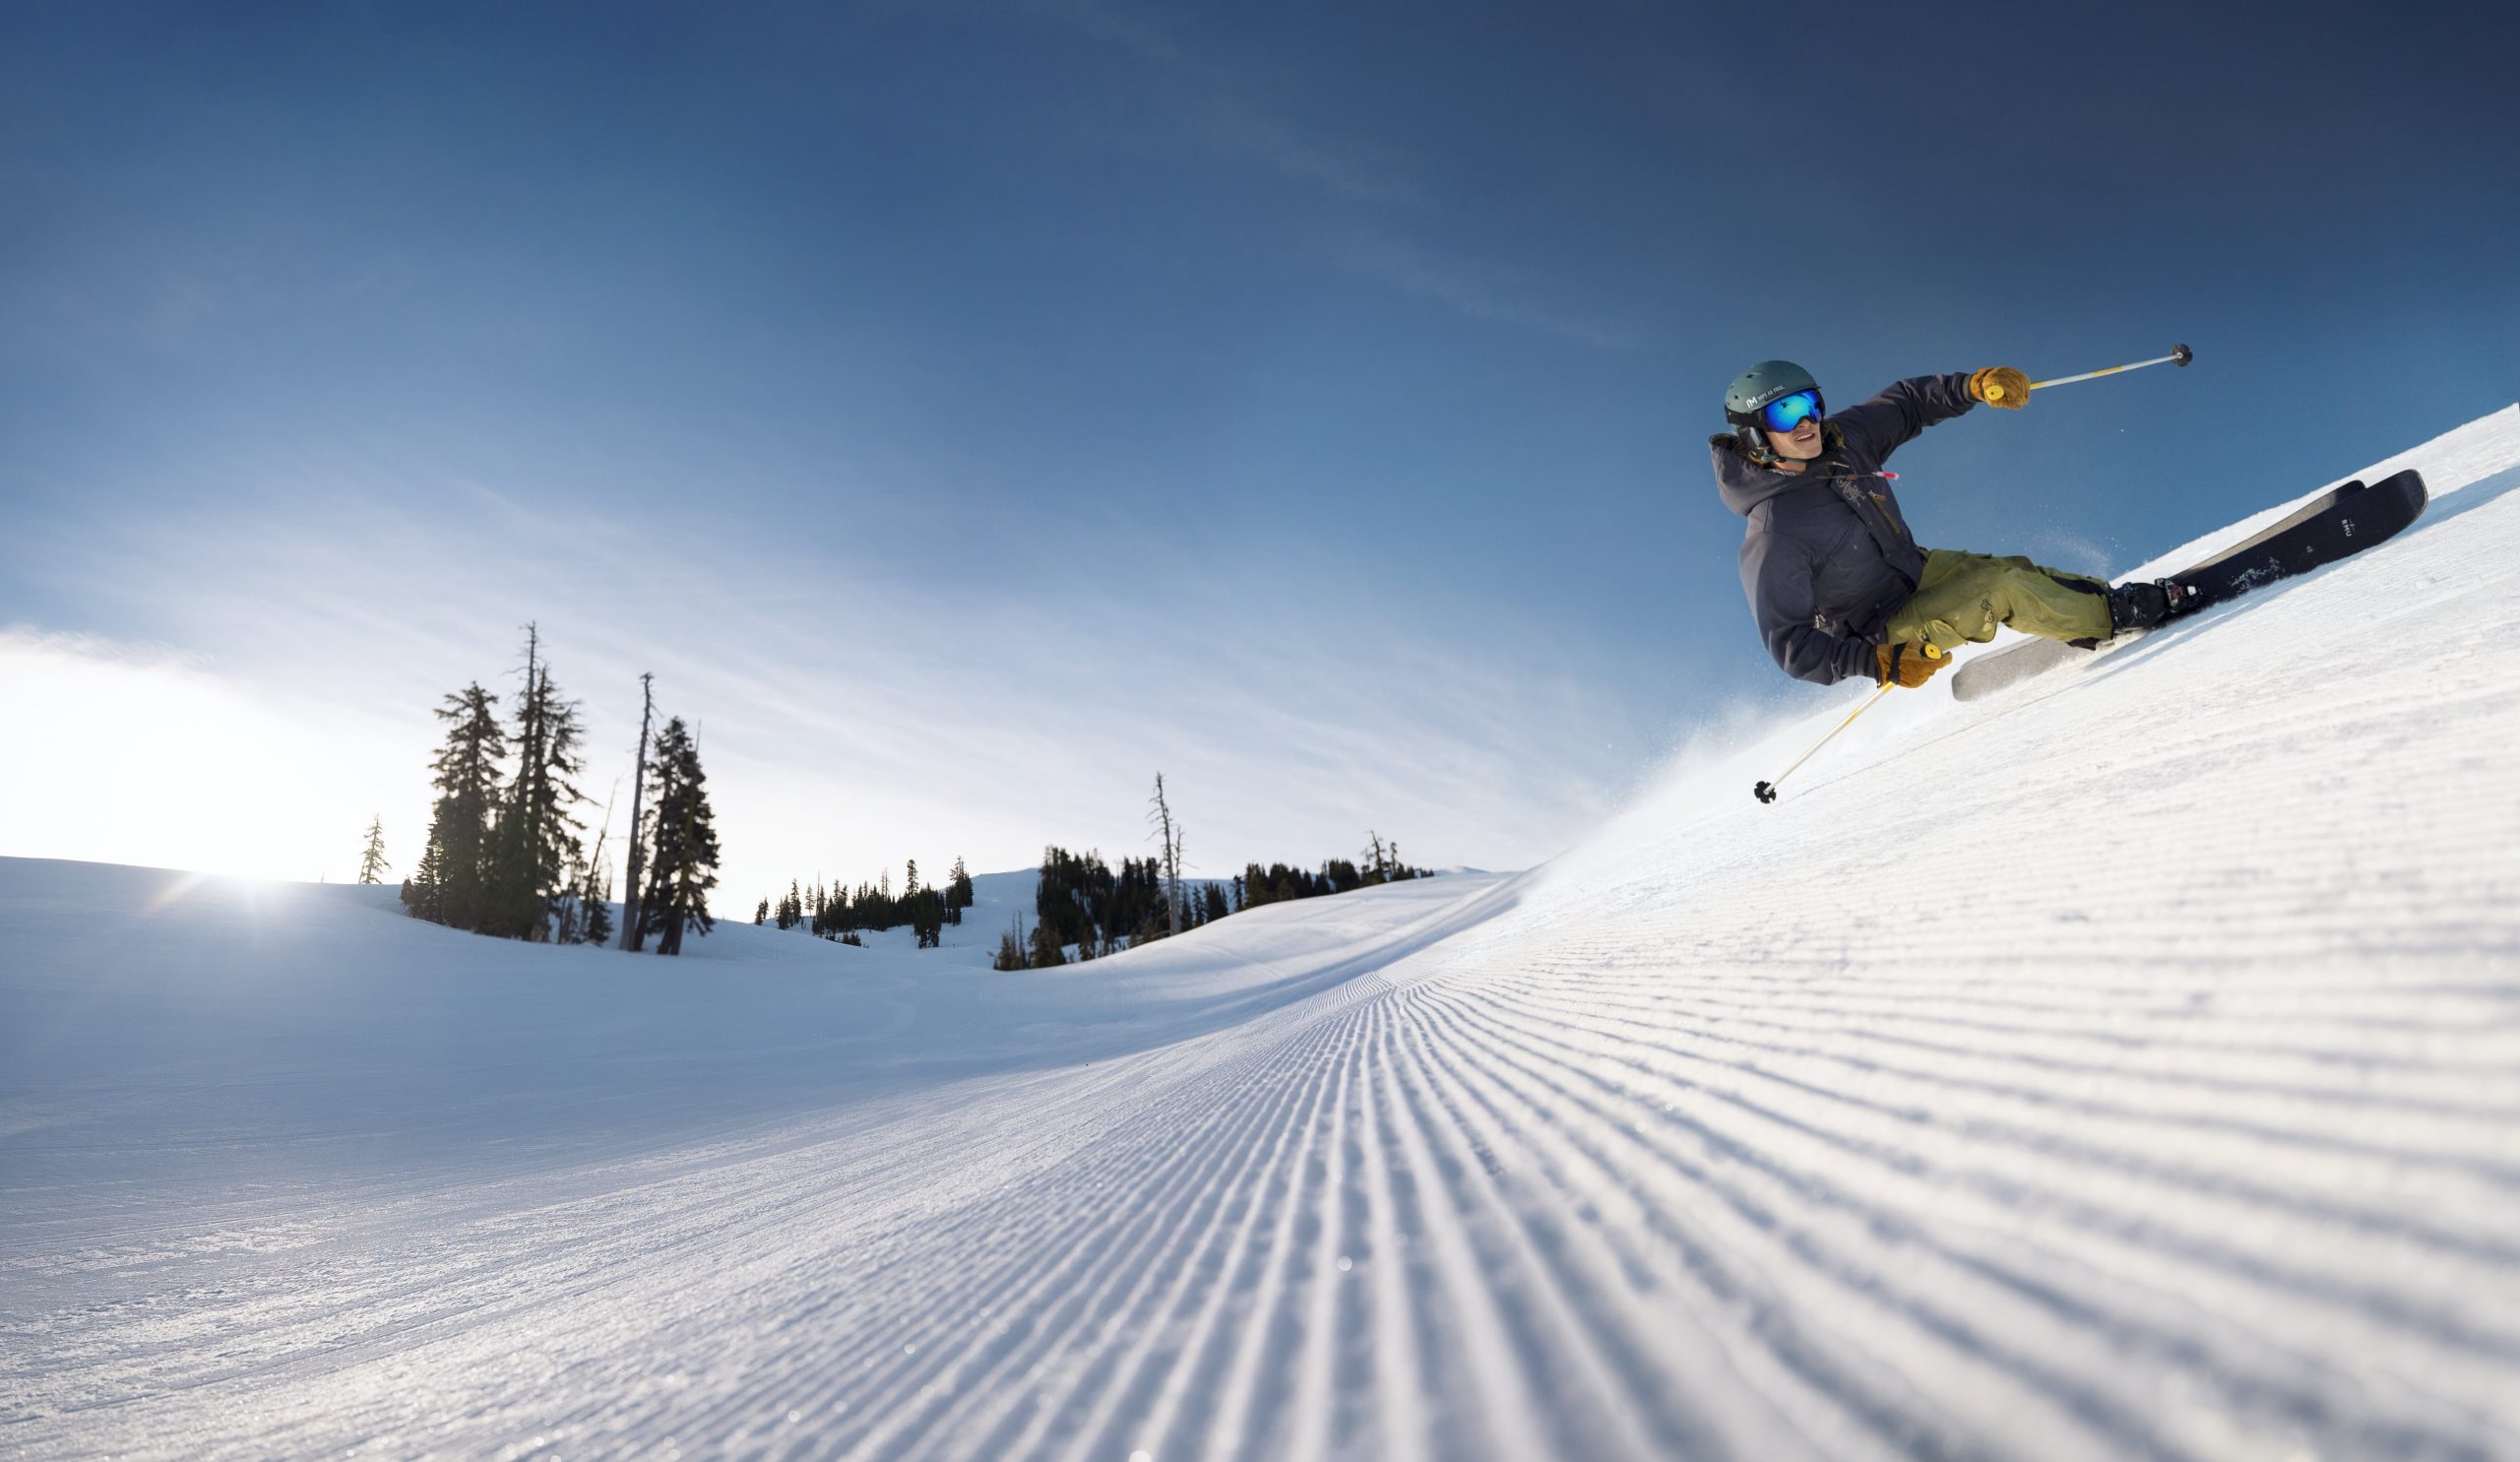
{"type": "Point", "coordinates": [1767, 381]}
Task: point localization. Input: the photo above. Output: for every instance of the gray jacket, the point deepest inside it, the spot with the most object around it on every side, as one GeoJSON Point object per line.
{"type": "Point", "coordinates": [1826, 556]}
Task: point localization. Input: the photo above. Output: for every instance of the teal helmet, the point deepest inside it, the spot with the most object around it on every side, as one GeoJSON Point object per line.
{"type": "Point", "coordinates": [1767, 381]}
{"type": "Point", "coordinates": [1753, 392]}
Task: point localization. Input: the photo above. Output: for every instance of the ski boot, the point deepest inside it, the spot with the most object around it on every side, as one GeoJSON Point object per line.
{"type": "Point", "coordinates": [2141, 605]}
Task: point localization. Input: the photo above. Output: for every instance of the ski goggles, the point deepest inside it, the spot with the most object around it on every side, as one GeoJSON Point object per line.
{"type": "Point", "coordinates": [1788, 412]}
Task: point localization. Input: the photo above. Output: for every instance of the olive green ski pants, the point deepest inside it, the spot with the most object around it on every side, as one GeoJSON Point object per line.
{"type": "Point", "coordinates": [1963, 596]}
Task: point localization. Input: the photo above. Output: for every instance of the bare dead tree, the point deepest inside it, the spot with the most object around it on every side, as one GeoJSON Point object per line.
{"type": "Point", "coordinates": [1171, 834]}
{"type": "Point", "coordinates": [631, 939]}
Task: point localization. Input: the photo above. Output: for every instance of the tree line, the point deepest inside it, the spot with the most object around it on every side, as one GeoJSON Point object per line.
{"type": "Point", "coordinates": [837, 913]}
{"type": "Point", "coordinates": [504, 856]}
{"type": "Point", "coordinates": [1081, 904]}
{"type": "Point", "coordinates": [1278, 883]}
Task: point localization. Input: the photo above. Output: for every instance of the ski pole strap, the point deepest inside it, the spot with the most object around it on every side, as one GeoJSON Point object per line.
{"type": "Point", "coordinates": [2179, 355]}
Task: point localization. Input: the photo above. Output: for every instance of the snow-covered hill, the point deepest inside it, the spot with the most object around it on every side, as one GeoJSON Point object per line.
{"type": "Point", "coordinates": [2125, 1066]}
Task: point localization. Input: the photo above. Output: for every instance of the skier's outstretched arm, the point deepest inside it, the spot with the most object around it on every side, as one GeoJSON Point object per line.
{"type": "Point", "coordinates": [1889, 421]}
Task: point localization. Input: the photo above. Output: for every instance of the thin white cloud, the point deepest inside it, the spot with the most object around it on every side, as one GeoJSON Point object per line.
{"type": "Point", "coordinates": [1141, 38]}
{"type": "Point", "coordinates": [1226, 120]}
{"type": "Point", "coordinates": [1505, 296]}
{"type": "Point", "coordinates": [1237, 129]}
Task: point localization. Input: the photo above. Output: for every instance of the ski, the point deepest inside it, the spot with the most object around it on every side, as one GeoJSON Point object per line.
{"type": "Point", "coordinates": [2335, 524]}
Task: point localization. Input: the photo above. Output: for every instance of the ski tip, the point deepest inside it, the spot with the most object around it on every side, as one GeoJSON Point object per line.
{"type": "Point", "coordinates": [2411, 486]}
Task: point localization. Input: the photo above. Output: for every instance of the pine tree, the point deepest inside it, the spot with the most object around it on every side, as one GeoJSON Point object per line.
{"type": "Point", "coordinates": [928, 918]}
{"type": "Point", "coordinates": [761, 915]}
{"type": "Point", "coordinates": [683, 852]}
{"type": "Point", "coordinates": [423, 893]}
{"type": "Point", "coordinates": [598, 898]}
{"type": "Point", "coordinates": [537, 844]}
{"type": "Point", "coordinates": [456, 864]}
{"type": "Point", "coordinates": [371, 863]}
{"type": "Point", "coordinates": [1010, 947]}
{"type": "Point", "coordinates": [957, 893]}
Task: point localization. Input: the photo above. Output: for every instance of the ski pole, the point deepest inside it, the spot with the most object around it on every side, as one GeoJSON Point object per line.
{"type": "Point", "coordinates": [2178, 355]}
{"type": "Point", "coordinates": [1766, 791]}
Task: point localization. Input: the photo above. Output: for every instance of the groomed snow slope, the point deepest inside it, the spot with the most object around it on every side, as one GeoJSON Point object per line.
{"type": "Point", "coordinates": [2125, 1066]}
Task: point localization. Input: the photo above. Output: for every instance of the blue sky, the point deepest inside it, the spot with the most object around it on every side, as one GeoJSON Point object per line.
{"type": "Point", "coordinates": [966, 409]}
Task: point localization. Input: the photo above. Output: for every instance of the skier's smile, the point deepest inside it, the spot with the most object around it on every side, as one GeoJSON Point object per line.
{"type": "Point", "coordinates": [1802, 444]}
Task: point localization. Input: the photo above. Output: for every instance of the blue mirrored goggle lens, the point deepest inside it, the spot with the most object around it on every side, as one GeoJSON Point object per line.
{"type": "Point", "coordinates": [1785, 412]}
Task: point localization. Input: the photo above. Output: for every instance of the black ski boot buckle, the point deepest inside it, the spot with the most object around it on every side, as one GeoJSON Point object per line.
{"type": "Point", "coordinates": [2141, 605]}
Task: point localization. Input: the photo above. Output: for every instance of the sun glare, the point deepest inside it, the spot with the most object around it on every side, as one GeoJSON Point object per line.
{"type": "Point", "coordinates": [147, 760]}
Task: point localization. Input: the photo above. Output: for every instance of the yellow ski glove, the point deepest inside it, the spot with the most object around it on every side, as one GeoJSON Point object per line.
{"type": "Point", "coordinates": [2001, 385]}
{"type": "Point", "coordinates": [1909, 665]}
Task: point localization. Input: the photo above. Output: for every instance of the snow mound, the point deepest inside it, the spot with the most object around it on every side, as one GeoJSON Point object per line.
{"type": "Point", "coordinates": [2125, 1065]}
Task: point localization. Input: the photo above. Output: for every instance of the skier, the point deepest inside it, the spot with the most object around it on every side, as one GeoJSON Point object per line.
{"type": "Point", "coordinates": [1837, 581]}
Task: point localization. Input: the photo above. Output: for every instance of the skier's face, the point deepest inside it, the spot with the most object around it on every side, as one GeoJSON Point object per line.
{"type": "Point", "coordinates": [1802, 444]}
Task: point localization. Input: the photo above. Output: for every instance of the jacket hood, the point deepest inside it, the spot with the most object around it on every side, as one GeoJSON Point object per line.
{"type": "Point", "coordinates": [1744, 485]}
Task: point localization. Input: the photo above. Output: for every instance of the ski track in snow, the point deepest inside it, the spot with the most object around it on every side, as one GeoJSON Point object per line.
{"type": "Point", "coordinates": [2127, 1065]}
